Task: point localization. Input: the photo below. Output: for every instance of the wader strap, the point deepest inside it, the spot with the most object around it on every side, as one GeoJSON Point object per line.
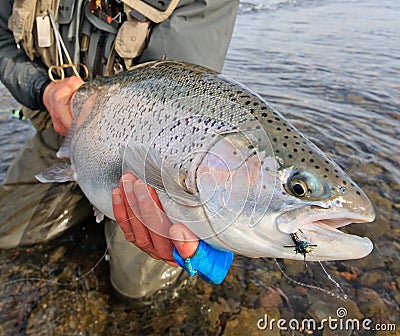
{"type": "Point", "coordinates": [93, 53]}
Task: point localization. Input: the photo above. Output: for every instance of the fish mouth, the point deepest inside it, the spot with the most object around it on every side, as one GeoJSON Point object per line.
{"type": "Point", "coordinates": [319, 227]}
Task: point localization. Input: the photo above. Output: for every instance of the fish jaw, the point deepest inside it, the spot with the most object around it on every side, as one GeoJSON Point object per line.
{"type": "Point", "coordinates": [266, 240]}
{"type": "Point", "coordinates": [318, 226]}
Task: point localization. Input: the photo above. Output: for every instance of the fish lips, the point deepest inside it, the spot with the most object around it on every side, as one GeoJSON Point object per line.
{"type": "Point", "coordinates": [318, 226]}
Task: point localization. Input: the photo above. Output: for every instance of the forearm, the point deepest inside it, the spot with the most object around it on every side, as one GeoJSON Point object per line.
{"type": "Point", "coordinates": [25, 79]}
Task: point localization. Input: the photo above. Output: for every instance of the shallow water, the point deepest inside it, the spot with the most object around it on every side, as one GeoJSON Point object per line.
{"type": "Point", "coordinates": [332, 69]}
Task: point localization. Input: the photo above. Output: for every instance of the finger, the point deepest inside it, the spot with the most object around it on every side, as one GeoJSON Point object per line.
{"type": "Point", "coordinates": [121, 214]}
{"type": "Point", "coordinates": [141, 233]}
{"type": "Point", "coordinates": [128, 181]}
{"type": "Point", "coordinates": [155, 219]}
{"type": "Point", "coordinates": [184, 240]}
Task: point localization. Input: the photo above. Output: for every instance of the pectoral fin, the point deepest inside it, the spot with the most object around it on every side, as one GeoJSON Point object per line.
{"type": "Point", "coordinates": [64, 150]}
{"type": "Point", "coordinates": [58, 173]}
{"type": "Point", "coordinates": [98, 214]}
{"type": "Point", "coordinates": [147, 165]}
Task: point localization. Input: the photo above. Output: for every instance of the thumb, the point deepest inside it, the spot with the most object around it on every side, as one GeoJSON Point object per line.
{"type": "Point", "coordinates": [184, 240]}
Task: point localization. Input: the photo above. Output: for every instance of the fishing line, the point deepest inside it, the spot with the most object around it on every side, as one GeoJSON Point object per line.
{"type": "Point", "coordinates": [341, 296]}
{"type": "Point", "coordinates": [334, 281]}
{"type": "Point", "coordinates": [54, 282]}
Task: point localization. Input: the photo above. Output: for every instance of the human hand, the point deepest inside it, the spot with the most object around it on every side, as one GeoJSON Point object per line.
{"type": "Point", "coordinates": [138, 211]}
{"type": "Point", "coordinates": [57, 98]}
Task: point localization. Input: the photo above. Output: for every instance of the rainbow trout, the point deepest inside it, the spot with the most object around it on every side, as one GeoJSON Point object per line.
{"type": "Point", "coordinates": [222, 161]}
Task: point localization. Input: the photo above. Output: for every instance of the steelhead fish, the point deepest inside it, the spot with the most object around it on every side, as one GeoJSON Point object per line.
{"type": "Point", "coordinates": [222, 161]}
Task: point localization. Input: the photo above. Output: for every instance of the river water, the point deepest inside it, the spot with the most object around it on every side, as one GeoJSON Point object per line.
{"type": "Point", "coordinates": [332, 68]}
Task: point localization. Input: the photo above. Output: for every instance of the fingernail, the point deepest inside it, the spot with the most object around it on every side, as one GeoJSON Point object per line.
{"type": "Point", "coordinates": [117, 199]}
{"type": "Point", "coordinates": [128, 185]}
{"type": "Point", "coordinates": [177, 236]}
{"type": "Point", "coordinates": [141, 190]}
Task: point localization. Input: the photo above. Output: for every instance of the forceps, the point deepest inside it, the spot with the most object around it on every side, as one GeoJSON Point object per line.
{"type": "Point", "coordinates": [61, 48]}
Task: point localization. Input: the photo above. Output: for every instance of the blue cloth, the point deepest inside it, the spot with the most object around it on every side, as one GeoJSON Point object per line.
{"type": "Point", "coordinates": [210, 264]}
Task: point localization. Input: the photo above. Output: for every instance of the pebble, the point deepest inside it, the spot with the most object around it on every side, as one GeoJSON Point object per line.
{"type": "Point", "coordinates": [371, 278]}
{"type": "Point", "coordinates": [246, 323]}
{"type": "Point", "coordinates": [272, 299]}
{"type": "Point", "coordinates": [69, 313]}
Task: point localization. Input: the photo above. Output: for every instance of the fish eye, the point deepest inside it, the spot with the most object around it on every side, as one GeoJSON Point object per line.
{"type": "Point", "coordinates": [299, 188]}
{"type": "Point", "coordinates": [303, 184]}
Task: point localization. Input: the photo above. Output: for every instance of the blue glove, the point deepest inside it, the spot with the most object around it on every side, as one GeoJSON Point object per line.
{"type": "Point", "coordinates": [210, 264]}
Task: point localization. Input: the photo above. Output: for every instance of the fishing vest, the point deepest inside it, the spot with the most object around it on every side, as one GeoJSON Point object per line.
{"type": "Point", "coordinates": [108, 36]}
